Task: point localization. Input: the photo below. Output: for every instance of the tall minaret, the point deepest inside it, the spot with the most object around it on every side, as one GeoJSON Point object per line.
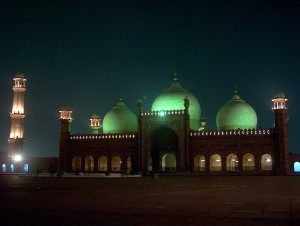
{"type": "Point", "coordinates": [281, 134]}
{"type": "Point", "coordinates": [17, 115]}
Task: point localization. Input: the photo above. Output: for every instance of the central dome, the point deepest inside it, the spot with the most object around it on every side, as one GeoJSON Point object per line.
{"type": "Point", "coordinates": [173, 99]}
{"type": "Point", "coordinates": [120, 120]}
{"type": "Point", "coordinates": [236, 114]}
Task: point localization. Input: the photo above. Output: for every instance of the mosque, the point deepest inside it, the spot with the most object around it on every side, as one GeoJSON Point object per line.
{"type": "Point", "coordinates": [172, 138]}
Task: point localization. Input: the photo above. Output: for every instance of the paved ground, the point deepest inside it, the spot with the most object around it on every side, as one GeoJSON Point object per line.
{"type": "Point", "coordinates": [193, 200]}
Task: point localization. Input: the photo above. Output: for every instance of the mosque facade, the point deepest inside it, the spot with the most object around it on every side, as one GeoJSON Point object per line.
{"type": "Point", "coordinates": [173, 138]}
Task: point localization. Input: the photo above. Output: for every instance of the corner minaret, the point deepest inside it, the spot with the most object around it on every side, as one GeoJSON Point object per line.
{"type": "Point", "coordinates": [95, 124]}
{"type": "Point", "coordinates": [65, 132]}
{"type": "Point", "coordinates": [17, 115]}
{"type": "Point", "coordinates": [281, 134]}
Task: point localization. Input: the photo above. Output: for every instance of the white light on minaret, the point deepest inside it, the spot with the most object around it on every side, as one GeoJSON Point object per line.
{"type": "Point", "coordinates": [279, 101]}
{"type": "Point", "coordinates": [17, 116]}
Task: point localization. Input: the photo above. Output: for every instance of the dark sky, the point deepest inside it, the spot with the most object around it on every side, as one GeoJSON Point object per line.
{"type": "Point", "coordinates": [86, 53]}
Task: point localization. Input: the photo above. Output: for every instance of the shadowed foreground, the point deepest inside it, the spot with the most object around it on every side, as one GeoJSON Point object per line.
{"type": "Point", "coordinates": [193, 200]}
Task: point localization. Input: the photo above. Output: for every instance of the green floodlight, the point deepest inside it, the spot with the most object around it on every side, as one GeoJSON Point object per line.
{"type": "Point", "coordinates": [162, 112]}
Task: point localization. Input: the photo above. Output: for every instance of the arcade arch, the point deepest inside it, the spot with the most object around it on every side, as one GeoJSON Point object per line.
{"type": "Point", "coordinates": [116, 163]}
{"type": "Point", "coordinates": [232, 162]}
{"type": "Point", "coordinates": [102, 163]}
{"type": "Point", "coordinates": [76, 164]}
{"type": "Point", "coordinates": [89, 163]}
{"type": "Point", "coordinates": [248, 162]}
{"type": "Point", "coordinates": [266, 162]}
{"type": "Point", "coordinates": [215, 163]}
{"type": "Point", "coordinates": [199, 163]}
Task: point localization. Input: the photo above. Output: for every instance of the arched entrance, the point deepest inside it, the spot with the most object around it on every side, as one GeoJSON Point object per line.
{"type": "Point", "coordinates": [164, 151]}
{"type": "Point", "coordinates": [168, 162]}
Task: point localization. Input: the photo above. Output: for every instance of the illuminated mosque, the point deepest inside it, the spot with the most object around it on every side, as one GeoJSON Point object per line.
{"type": "Point", "coordinates": [172, 138]}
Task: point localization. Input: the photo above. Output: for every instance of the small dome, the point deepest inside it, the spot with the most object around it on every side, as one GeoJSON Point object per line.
{"type": "Point", "coordinates": [20, 76]}
{"type": "Point", "coordinates": [66, 108]}
{"type": "Point", "coordinates": [95, 116]}
{"type": "Point", "coordinates": [173, 99]}
{"type": "Point", "coordinates": [236, 114]}
{"type": "Point", "coordinates": [120, 120]}
{"type": "Point", "coordinates": [279, 95]}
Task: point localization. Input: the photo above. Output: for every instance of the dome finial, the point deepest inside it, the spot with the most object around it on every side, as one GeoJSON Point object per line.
{"type": "Point", "coordinates": [121, 98]}
{"type": "Point", "coordinates": [235, 88]}
{"type": "Point", "coordinates": [175, 79]}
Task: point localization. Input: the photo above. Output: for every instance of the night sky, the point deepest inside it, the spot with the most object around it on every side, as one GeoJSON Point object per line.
{"type": "Point", "coordinates": [87, 53]}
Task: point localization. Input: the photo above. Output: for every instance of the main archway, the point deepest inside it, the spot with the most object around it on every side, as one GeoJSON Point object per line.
{"type": "Point", "coordinates": [164, 144]}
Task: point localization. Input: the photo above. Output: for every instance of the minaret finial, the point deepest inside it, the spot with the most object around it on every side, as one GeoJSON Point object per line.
{"type": "Point", "coordinates": [121, 97]}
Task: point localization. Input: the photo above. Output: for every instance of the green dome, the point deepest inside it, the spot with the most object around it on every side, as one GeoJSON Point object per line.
{"type": "Point", "coordinates": [173, 99]}
{"type": "Point", "coordinates": [236, 114]}
{"type": "Point", "coordinates": [120, 120]}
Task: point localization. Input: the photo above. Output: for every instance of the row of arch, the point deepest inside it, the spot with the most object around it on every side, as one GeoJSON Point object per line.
{"type": "Point", "coordinates": [103, 164]}
{"type": "Point", "coordinates": [232, 162]}
{"type": "Point", "coordinates": [168, 162]}
{"type": "Point", "coordinates": [10, 168]}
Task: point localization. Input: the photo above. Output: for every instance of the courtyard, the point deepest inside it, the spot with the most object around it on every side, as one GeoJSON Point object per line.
{"type": "Point", "coordinates": [164, 200]}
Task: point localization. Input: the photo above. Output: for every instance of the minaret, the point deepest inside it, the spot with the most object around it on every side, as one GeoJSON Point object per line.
{"type": "Point", "coordinates": [95, 124]}
{"type": "Point", "coordinates": [65, 132]}
{"type": "Point", "coordinates": [281, 134]}
{"type": "Point", "coordinates": [17, 115]}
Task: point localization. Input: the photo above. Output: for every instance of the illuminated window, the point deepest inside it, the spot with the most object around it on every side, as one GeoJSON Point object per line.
{"type": "Point", "coordinates": [26, 168]}
{"type": "Point", "coordinates": [3, 168]}
{"type": "Point", "coordinates": [297, 167]}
